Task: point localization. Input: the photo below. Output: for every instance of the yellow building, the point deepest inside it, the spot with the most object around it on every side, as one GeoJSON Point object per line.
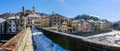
{"type": "Point", "coordinates": [59, 21]}
{"type": "Point", "coordinates": [99, 25]}
{"type": "Point", "coordinates": [74, 24]}
{"type": "Point", "coordinates": [64, 26]}
{"type": "Point", "coordinates": [55, 20]}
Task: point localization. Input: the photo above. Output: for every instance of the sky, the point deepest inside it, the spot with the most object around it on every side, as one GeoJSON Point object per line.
{"type": "Point", "coordinates": [105, 9]}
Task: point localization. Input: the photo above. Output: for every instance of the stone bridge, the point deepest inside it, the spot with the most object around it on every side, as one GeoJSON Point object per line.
{"type": "Point", "coordinates": [20, 42]}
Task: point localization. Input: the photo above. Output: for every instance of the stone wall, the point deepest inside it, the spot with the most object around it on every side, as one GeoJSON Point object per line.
{"type": "Point", "coordinates": [16, 43]}
{"type": "Point", "coordinates": [77, 43]}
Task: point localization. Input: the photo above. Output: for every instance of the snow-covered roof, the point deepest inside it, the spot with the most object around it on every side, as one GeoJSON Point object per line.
{"type": "Point", "coordinates": [99, 21]}
{"type": "Point", "coordinates": [17, 17]}
{"type": "Point", "coordinates": [95, 16]}
{"type": "Point", "coordinates": [2, 20]}
{"type": "Point", "coordinates": [75, 21]}
{"type": "Point", "coordinates": [90, 20]}
{"type": "Point", "coordinates": [33, 15]}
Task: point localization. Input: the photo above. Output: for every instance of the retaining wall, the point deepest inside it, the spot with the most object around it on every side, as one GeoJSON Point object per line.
{"type": "Point", "coordinates": [77, 43]}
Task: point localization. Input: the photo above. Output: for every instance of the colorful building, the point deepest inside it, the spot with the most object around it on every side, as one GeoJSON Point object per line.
{"type": "Point", "coordinates": [64, 27]}
{"type": "Point", "coordinates": [44, 21]}
{"type": "Point", "coordinates": [59, 21]}
{"type": "Point", "coordinates": [99, 25]}
{"type": "Point", "coordinates": [55, 20]}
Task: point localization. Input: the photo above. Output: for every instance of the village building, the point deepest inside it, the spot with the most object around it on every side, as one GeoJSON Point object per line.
{"type": "Point", "coordinates": [2, 25]}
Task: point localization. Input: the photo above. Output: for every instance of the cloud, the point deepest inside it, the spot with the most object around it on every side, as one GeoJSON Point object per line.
{"type": "Point", "coordinates": [62, 1]}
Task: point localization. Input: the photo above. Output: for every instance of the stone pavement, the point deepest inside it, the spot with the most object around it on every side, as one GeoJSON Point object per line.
{"type": "Point", "coordinates": [29, 43]}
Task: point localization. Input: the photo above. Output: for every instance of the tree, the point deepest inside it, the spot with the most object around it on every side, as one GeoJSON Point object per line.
{"type": "Point", "coordinates": [86, 17]}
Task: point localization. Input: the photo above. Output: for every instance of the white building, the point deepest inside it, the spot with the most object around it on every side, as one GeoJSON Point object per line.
{"type": "Point", "coordinates": [15, 24]}
{"type": "Point", "coordinates": [2, 25]}
{"type": "Point", "coordinates": [11, 24]}
{"type": "Point", "coordinates": [33, 20]}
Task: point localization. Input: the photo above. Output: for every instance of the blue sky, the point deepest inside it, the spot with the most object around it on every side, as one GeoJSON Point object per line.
{"type": "Point", "coordinates": [105, 9]}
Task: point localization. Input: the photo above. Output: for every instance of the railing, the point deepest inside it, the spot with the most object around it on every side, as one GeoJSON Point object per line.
{"type": "Point", "coordinates": [77, 43]}
{"type": "Point", "coordinates": [16, 43]}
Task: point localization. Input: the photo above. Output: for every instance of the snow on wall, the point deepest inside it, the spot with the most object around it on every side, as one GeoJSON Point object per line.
{"type": "Point", "coordinates": [43, 43]}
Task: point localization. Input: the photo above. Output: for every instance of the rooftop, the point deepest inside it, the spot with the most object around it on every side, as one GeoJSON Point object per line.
{"type": "Point", "coordinates": [17, 17]}
{"type": "Point", "coordinates": [2, 20]}
{"type": "Point", "coordinates": [76, 21]}
{"type": "Point", "coordinates": [33, 15]}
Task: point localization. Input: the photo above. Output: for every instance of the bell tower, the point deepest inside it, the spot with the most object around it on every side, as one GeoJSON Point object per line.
{"type": "Point", "coordinates": [23, 9]}
{"type": "Point", "coordinates": [33, 9]}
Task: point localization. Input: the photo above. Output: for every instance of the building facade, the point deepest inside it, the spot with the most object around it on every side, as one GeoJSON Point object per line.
{"type": "Point", "coordinates": [15, 24]}
{"type": "Point", "coordinates": [55, 20]}
{"type": "Point", "coordinates": [44, 21]}
{"type": "Point", "coordinates": [59, 21]}
{"type": "Point", "coordinates": [64, 27]}
{"type": "Point", "coordinates": [2, 25]}
{"type": "Point", "coordinates": [34, 20]}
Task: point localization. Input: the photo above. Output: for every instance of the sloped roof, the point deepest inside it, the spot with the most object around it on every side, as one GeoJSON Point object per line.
{"type": "Point", "coordinates": [2, 20]}
{"type": "Point", "coordinates": [75, 21]}
{"type": "Point", "coordinates": [14, 17]}
{"type": "Point", "coordinates": [33, 15]}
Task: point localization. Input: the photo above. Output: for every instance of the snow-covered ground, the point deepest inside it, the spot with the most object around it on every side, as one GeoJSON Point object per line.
{"type": "Point", "coordinates": [42, 43]}
{"type": "Point", "coordinates": [111, 38]}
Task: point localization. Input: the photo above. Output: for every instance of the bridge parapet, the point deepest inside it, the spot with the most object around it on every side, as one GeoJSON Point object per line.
{"type": "Point", "coordinates": [16, 43]}
{"type": "Point", "coordinates": [78, 43]}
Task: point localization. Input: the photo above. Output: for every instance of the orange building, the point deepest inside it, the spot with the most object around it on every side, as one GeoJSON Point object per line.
{"type": "Point", "coordinates": [44, 21]}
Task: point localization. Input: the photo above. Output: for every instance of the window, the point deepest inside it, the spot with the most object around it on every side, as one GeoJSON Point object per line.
{"type": "Point", "coordinates": [17, 30]}
{"type": "Point", "coordinates": [10, 21]}
{"type": "Point", "coordinates": [13, 25]}
{"type": "Point", "coordinates": [55, 20]}
{"type": "Point", "coordinates": [58, 20]}
{"type": "Point", "coordinates": [14, 29]}
{"type": "Point", "coordinates": [28, 19]}
{"type": "Point", "coordinates": [21, 21]}
{"type": "Point", "coordinates": [21, 25]}
{"type": "Point", "coordinates": [54, 23]}
{"type": "Point", "coordinates": [54, 17]}
{"type": "Point", "coordinates": [10, 29]}
{"type": "Point", "coordinates": [28, 22]}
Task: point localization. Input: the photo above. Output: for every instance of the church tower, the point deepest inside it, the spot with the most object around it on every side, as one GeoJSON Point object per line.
{"type": "Point", "coordinates": [23, 9]}
{"type": "Point", "coordinates": [33, 9]}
